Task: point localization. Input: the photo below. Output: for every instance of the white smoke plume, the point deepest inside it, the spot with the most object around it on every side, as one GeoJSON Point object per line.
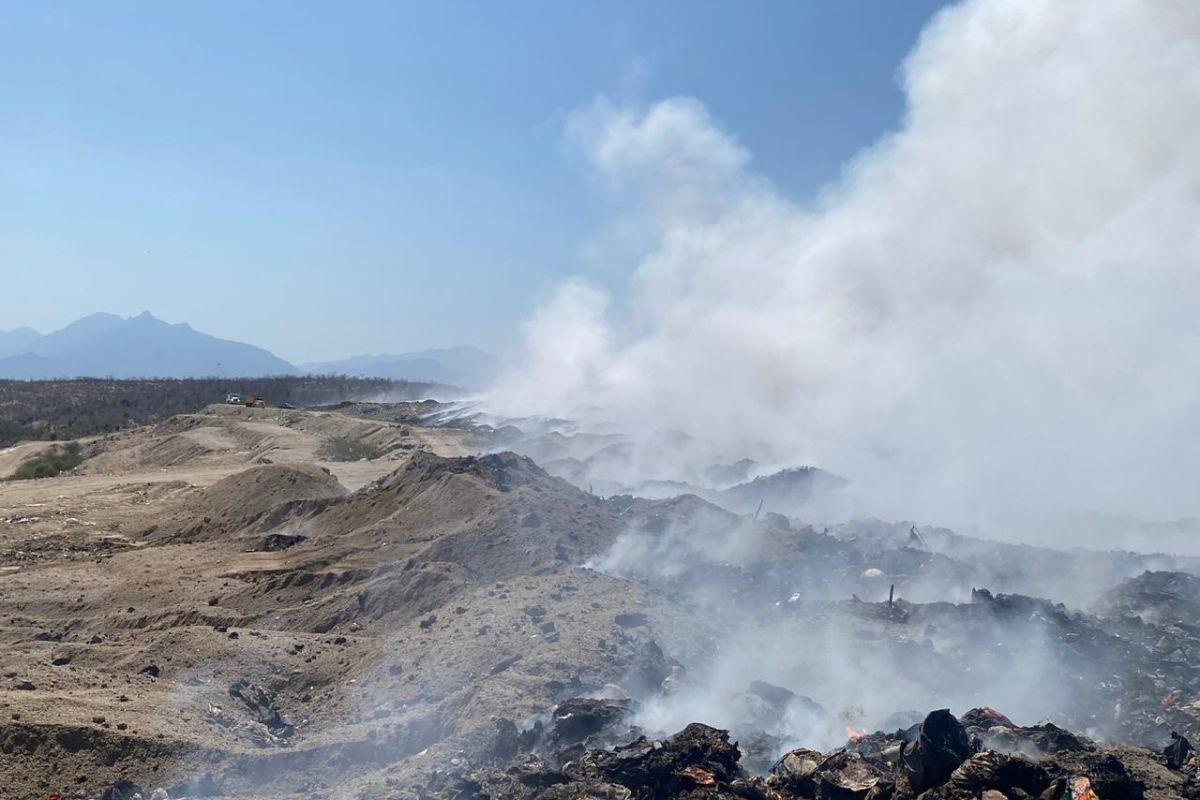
{"type": "Point", "coordinates": [993, 310]}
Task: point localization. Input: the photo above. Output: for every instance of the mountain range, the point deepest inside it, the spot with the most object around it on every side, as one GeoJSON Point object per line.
{"type": "Point", "coordinates": [108, 345]}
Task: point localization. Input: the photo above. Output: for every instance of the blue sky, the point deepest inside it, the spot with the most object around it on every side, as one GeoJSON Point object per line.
{"type": "Point", "coordinates": [330, 179]}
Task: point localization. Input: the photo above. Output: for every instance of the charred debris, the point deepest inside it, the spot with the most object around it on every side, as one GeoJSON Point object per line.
{"type": "Point", "coordinates": [982, 756]}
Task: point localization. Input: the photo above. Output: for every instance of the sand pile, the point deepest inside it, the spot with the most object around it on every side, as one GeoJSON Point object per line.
{"type": "Point", "coordinates": [248, 499]}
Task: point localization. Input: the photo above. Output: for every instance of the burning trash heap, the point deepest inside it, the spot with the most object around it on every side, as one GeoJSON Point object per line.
{"type": "Point", "coordinates": [983, 755]}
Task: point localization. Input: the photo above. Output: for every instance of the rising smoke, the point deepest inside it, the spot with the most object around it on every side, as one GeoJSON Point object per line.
{"type": "Point", "coordinates": [991, 312]}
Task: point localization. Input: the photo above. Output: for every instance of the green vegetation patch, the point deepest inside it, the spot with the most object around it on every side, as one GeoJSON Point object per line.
{"type": "Point", "coordinates": [346, 448]}
{"type": "Point", "coordinates": [58, 460]}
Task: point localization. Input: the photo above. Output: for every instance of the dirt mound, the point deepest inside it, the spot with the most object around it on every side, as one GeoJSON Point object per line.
{"type": "Point", "coordinates": [95, 753]}
{"type": "Point", "coordinates": [420, 537]}
{"type": "Point", "coordinates": [412, 412]}
{"type": "Point", "coordinates": [494, 515]}
{"type": "Point", "coordinates": [503, 472]}
{"type": "Point", "coordinates": [188, 439]}
{"type": "Point", "coordinates": [11, 458]}
{"type": "Point", "coordinates": [260, 494]}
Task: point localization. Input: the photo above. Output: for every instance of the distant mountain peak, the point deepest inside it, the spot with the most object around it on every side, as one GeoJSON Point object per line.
{"type": "Point", "coordinates": [140, 346]}
{"type": "Point", "coordinates": [17, 340]}
{"type": "Point", "coordinates": [103, 344]}
{"type": "Point", "coordinates": [97, 317]}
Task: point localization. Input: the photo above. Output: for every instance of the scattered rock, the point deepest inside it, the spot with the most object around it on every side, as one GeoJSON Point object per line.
{"type": "Point", "coordinates": [504, 664]}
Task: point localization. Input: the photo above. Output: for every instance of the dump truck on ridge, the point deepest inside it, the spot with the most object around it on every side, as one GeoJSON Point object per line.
{"type": "Point", "coordinates": [249, 400]}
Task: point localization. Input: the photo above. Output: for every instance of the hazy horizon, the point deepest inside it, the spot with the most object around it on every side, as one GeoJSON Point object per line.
{"type": "Point", "coordinates": [396, 177]}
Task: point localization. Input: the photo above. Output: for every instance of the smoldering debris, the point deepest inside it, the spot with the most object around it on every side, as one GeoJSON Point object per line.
{"type": "Point", "coordinates": [577, 719]}
{"type": "Point", "coordinates": [938, 758]}
{"type": "Point", "coordinates": [831, 617]}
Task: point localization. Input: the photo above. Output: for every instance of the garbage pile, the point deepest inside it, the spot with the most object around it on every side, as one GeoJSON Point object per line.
{"type": "Point", "coordinates": [1169, 598]}
{"type": "Point", "coordinates": [1114, 659]}
{"type": "Point", "coordinates": [261, 706]}
{"type": "Point", "coordinates": [983, 756]}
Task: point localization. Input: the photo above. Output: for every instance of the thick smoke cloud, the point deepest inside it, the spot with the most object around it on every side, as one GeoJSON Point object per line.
{"type": "Point", "coordinates": [993, 312]}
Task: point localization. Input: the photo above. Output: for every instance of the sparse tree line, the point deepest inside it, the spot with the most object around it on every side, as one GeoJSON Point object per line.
{"type": "Point", "coordinates": [52, 410]}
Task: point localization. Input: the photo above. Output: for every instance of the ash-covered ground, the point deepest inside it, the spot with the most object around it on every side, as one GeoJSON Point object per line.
{"type": "Point", "coordinates": [208, 607]}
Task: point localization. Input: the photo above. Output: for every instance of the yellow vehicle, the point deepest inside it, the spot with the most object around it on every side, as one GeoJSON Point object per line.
{"type": "Point", "coordinates": [249, 400]}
